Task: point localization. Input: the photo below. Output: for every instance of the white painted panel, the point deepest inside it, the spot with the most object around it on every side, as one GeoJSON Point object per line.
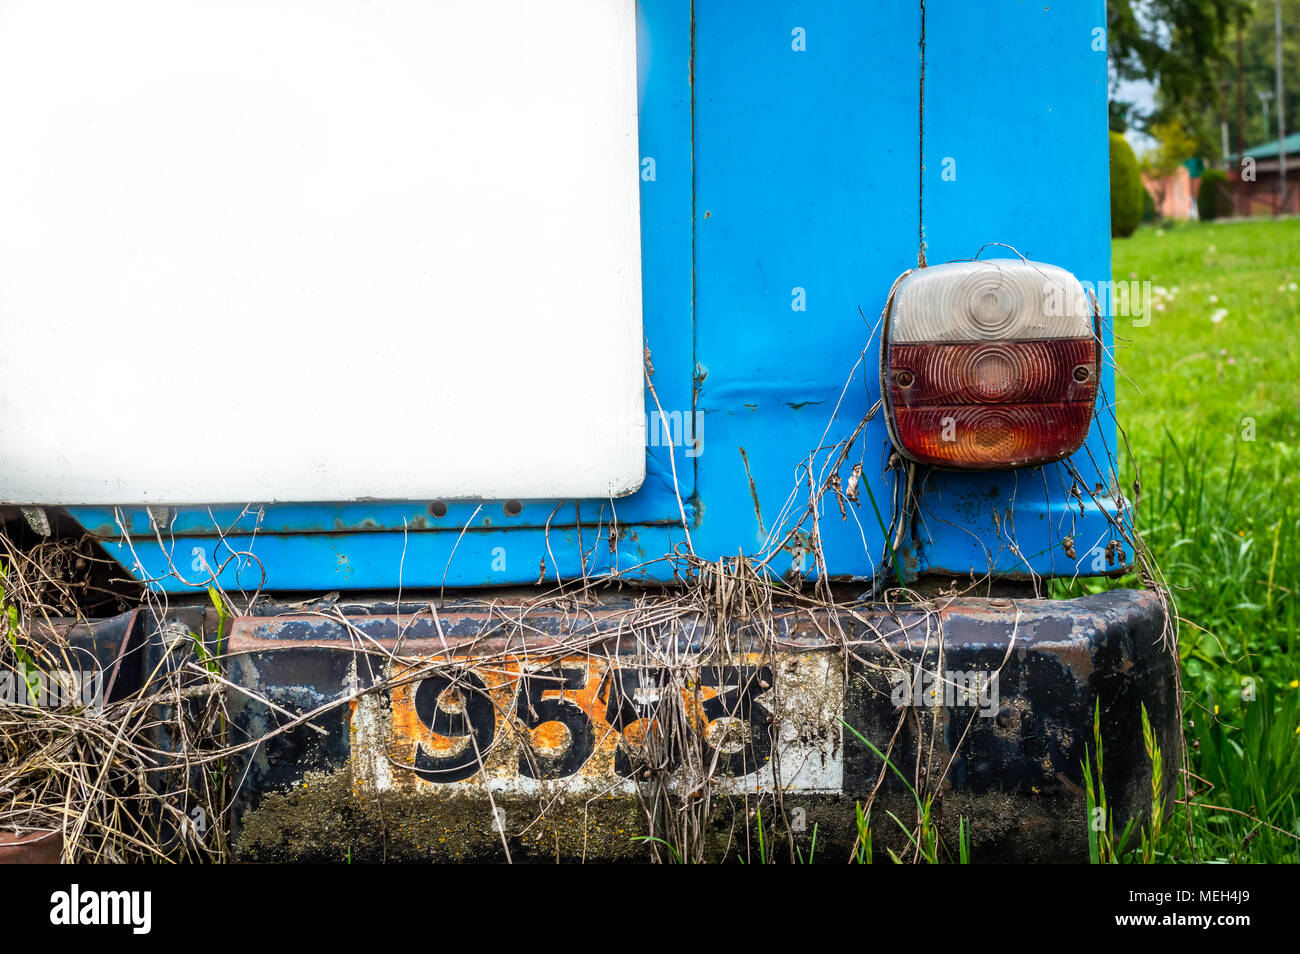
{"type": "Point", "coordinates": [260, 250]}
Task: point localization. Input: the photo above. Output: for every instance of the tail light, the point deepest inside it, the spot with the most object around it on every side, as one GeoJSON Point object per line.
{"type": "Point", "coordinates": [989, 365]}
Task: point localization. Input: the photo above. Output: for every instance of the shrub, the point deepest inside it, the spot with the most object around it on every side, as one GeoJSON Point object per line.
{"type": "Point", "coordinates": [1125, 188]}
{"type": "Point", "coordinates": [1214, 199]}
{"type": "Point", "coordinates": [1148, 206]}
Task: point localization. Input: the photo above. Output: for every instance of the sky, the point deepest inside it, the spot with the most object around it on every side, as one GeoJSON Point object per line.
{"type": "Point", "coordinates": [1142, 93]}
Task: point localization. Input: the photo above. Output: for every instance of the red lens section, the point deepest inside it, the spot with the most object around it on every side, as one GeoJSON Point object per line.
{"type": "Point", "coordinates": [1012, 372]}
{"type": "Point", "coordinates": [992, 405]}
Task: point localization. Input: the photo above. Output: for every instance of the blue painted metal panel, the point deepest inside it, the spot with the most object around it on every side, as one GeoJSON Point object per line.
{"type": "Point", "coordinates": [784, 197]}
{"type": "Point", "coordinates": [1016, 152]}
{"type": "Point", "coordinates": [806, 211]}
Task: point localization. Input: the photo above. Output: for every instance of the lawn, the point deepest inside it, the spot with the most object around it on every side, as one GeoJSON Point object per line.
{"type": "Point", "coordinates": [1209, 395]}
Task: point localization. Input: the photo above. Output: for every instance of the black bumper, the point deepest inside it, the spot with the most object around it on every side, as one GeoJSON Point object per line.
{"type": "Point", "coordinates": [1003, 755]}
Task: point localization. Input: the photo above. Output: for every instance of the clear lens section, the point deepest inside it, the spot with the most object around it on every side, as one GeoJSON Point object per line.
{"type": "Point", "coordinates": [992, 300]}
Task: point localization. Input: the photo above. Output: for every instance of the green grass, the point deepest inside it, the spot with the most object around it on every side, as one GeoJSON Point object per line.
{"type": "Point", "coordinates": [1212, 411]}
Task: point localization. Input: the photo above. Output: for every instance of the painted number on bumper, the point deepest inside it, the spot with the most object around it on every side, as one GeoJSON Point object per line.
{"type": "Point", "coordinates": [596, 724]}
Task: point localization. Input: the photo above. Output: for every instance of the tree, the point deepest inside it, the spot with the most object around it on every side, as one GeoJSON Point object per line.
{"type": "Point", "coordinates": [1182, 46]}
{"type": "Point", "coordinates": [1260, 74]}
{"type": "Point", "coordinates": [1203, 119]}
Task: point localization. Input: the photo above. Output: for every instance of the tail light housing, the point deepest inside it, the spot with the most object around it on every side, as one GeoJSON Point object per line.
{"type": "Point", "coordinates": [989, 365]}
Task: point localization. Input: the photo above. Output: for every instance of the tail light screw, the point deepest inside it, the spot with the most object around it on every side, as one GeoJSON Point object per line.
{"type": "Point", "coordinates": [904, 379]}
{"type": "Point", "coordinates": [1082, 373]}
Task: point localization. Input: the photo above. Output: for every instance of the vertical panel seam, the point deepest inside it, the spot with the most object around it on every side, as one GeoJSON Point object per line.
{"type": "Point", "coordinates": [920, 142]}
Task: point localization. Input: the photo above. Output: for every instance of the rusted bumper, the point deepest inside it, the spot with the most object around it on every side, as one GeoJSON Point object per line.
{"type": "Point", "coordinates": [485, 732]}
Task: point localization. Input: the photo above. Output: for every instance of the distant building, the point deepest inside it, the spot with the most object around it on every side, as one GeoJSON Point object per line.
{"type": "Point", "coordinates": [1174, 195]}
{"type": "Point", "coordinates": [1260, 197]}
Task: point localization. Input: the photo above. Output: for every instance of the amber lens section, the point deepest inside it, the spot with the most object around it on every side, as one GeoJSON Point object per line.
{"type": "Point", "coordinates": [993, 405]}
